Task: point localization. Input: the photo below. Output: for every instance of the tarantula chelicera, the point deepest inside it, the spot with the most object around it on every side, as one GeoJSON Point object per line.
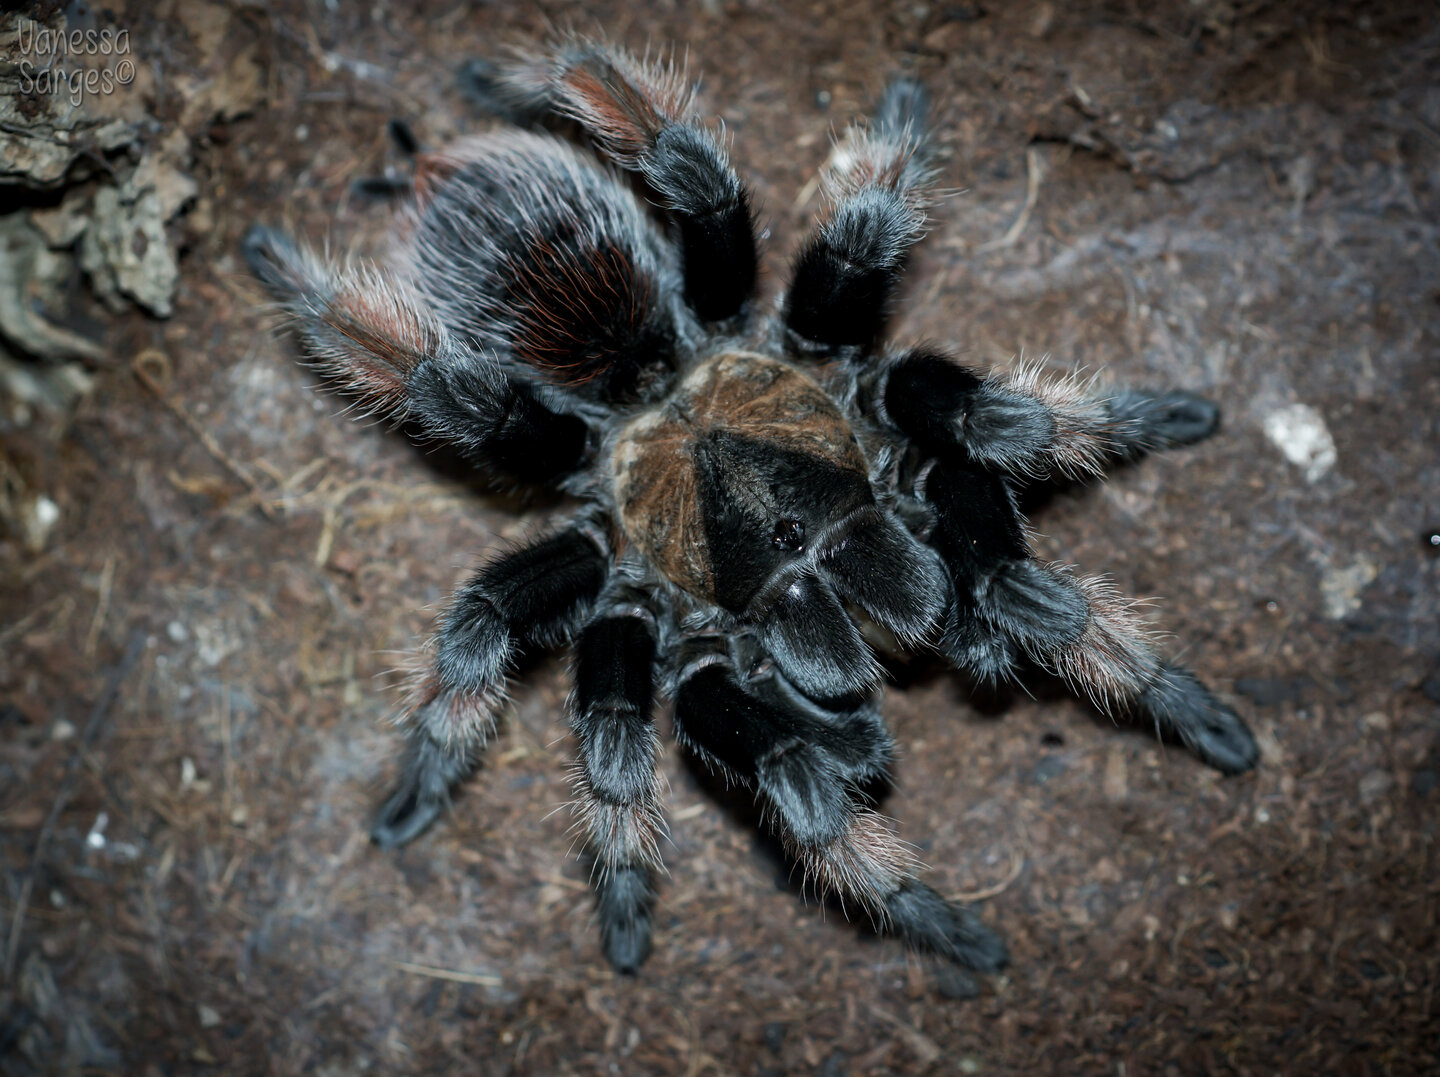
{"type": "Point", "coordinates": [759, 496]}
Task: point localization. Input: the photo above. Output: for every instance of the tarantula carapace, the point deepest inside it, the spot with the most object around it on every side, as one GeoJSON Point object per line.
{"type": "Point", "coordinates": [758, 495]}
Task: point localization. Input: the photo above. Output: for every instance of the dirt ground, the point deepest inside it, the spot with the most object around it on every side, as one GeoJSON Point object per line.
{"type": "Point", "coordinates": [1234, 196]}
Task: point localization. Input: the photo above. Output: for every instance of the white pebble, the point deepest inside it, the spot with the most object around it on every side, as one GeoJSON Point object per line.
{"type": "Point", "coordinates": [96, 838]}
{"type": "Point", "coordinates": [1299, 432]}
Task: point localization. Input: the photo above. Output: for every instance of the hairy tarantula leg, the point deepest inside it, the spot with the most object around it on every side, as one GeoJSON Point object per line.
{"type": "Point", "coordinates": [370, 334]}
{"type": "Point", "coordinates": [1079, 628]}
{"type": "Point", "coordinates": [534, 596]}
{"type": "Point", "coordinates": [803, 761]}
{"type": "Point", "coordinates": [1028, 426]}
{"type": "Point", "coordinates": [446, 731]}
{"type": "Point", "coordinates": [641, 112]}
{"type": "Point", "coordinates": [875, 187]}
{"type": "Point", "coordinates": [616, 781]}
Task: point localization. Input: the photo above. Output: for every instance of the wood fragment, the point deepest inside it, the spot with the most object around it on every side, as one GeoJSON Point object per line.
{"type": "Point", "coordinates": [448, 974]}
{"type": "Point", "coordinates": [1034, 172]}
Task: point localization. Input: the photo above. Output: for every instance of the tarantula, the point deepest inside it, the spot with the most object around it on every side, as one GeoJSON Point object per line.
{"type": "Point", "coordinates": [759, 494]}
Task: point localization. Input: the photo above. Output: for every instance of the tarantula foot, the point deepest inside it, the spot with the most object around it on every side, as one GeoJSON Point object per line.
{"type": "Point", "coordinates": [903, 107]}
{"type": "Point", "coordinates": [1210, 730]}
{"type": "Point", "coordinates": [481, 82]}
{"type": "Point", "coordinates": [627, 946]}
{"type": "Point", "coordinates": [273, 257]}
{"type": "Point", "coordinates": [1168, 419]}
{"type": "Point", "coordinates": [405, 815]}
{"type": "Point", "coordinates": [1225, 742]}
{"type": "Point", "coordinates": [954, 983]}
{"type": "Point", "coordinates": [929, 923]}
{"type": "Point", "coordinates": [624, 899]}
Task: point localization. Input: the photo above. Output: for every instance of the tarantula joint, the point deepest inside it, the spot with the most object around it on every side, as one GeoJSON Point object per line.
{"type": "Point", "coordinates": [759, 493]}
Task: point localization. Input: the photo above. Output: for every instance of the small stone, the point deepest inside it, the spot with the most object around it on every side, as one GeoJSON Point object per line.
{"type": "Point", "coordinates": [1340, 587]}
{"type": "Point", "coordinates": [1375, 785]}
{"type": "Point", "coordinates": [209, 1018]}
{"type": "Point", "coordinates": [1050, 767]}
{"type": "Point", "coordinates": [37, 519]}
{"type": "Point", "coordinates": [1115, 783]}
{"type": "Point", "coordinates": [1300, 433]}
{"type": "Point", "coordinates": [962, 12]}
{"type": "Point", "coordinates": [177, 632]}
{"type": "Point", "coordinates": [955, 983]}
{"type": "Point", "coordinates": [1042, 21]}
{"type": "Point", "coordinates": [61, 730]}
{"type": "Point", "coordinates": [1271, 691]}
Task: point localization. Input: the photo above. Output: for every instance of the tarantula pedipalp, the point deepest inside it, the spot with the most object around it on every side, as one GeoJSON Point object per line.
{"type": "Point", "coordinates": [751, 486]}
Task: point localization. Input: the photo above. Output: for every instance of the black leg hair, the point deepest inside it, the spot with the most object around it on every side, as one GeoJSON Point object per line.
{"type": "Point", "coordinates": [1079, 628]}
{"type": "Point", "coordinates": [379, 342]}
{"type": "Point", "coordinates": [534, 596]}
{"type": "Point", "coordinates": [1029, 426]}
{"type": "Point", "coordinates": [875, 190]}
{"type": "Point", "coordinates": [804, 762]}
{"type": "Point", "coordinates": [617, 787]}
{"type": "Point", "coordinates": [641, 112]}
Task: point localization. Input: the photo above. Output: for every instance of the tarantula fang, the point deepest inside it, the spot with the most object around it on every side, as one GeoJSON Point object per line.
{"type": "Point", "coordinates": [757, 491]}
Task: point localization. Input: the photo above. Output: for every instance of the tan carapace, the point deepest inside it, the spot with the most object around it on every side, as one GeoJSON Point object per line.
{"type": "Point", "coordinates": [656, 488]}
